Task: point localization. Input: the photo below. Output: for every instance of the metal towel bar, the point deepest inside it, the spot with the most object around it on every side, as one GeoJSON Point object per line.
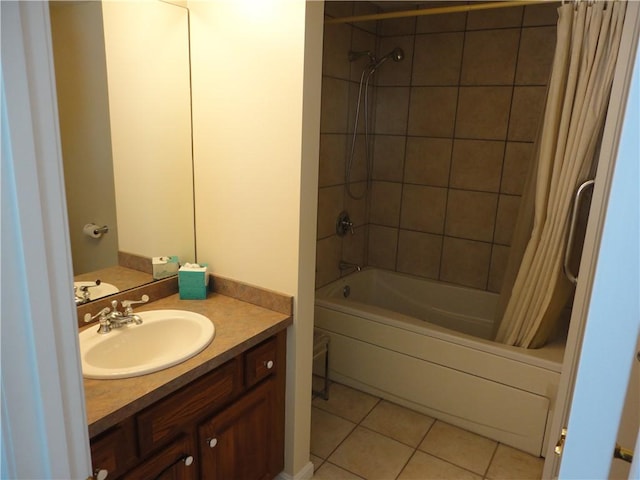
{"type": "Point", "coordinates": [572, 231]}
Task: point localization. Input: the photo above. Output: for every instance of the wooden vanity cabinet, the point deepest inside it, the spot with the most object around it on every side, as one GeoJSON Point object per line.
{"type": "Point", "coordinates": [227, 424]}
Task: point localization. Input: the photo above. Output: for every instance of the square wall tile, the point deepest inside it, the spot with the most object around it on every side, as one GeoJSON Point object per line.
{"type": "Point", "coordinates": [499, 260]}
{"type": "Point", "coordinates": [483, 112]}
{"type": "Point", "coordinates": [508, 206]}
{"type": "Point", "coordinates": [542, 14]}
{"type": "Point", "coordinates": [356, 158]}
{"type": "Point", "coordinates": [471, 215]}
{"type": "Point", "coordinates": [371, 455]}
{"type": "Point", "coordinates": [388, 157]}
{"type": "Point", "coordinates": [396, 26]}
{"type": "Point", "coordinates": [365, 8]}
{"type": "Point", "coordinates": [432, 111]}
{"type": "Point", "coordinates": [333, 151]}
{"type": "Point", "coordinates": [537, 47]}
{"type": "Point", "coordinates": [495, 18]}
{"type": "Point", "coordinates": [526, 113]}
{"type": "Point", "coordinates": [383, 243]}
{"type": "Point", "coordinates": [446, 22]}
{"type": "Point", "coordinates": [395, 73]}
{"type": "Point", "coordinates": [337, 9]}
{"type": "Point", "coordinates": [427, 161]}
{"type": "Point", "coordinates": [423, 208]}
{"type": "Point", "coordinates": [477, 165]}
{"type": "Point", "coordinates": [458, 446]}
{"type": "Point", "coordinates": [392, 104]}
{"type": "Point", "coordinates": [385, 203]}
{"type": "Point", "coordinates": [361, 41]}
{"type": "Point", "coordinates": [336, 44]}
{"type": "Point", "coordinates": [419, 253]}
{"type": "Point", "coordinates": [334, 109]}
{"type": "Point", "coordinates": [330, 204]}
{"type": "Point", "coordinates": [357, 207]}
{"type": "Point", "coordinates": [517, 162]}
{"type": "Point", "coordinates": [328, 254]}
{"type": "Point", "coordinates": [353, 246]}
{"type": "Point", "coordinates": [490, 57]}
{"type": "Point", "coordinates": [437, 59]}
{"type": "Point", "coordinates": [465, 262]}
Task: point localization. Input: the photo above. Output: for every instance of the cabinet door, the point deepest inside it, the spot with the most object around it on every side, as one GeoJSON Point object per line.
{"type": "Point", "coordinates": [239, 443]}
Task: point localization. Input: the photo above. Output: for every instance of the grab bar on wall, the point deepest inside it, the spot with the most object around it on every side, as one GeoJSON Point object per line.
{"type": "Point", "coordinates": [572, 231]}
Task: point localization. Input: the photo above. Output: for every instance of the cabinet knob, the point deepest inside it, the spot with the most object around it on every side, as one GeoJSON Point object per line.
{"type": "Point", "coordinates": [188, 460]}
{"type": "Point", "coordinates": [100, 474]}
{"type": "Point", "coordinates": [212, 442]}
{"type": "Point", "coordinates": [268, 364]}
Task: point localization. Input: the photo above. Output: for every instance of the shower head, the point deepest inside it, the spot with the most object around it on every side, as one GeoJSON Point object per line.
{"type": "Point", "coordinates": [397, 54]}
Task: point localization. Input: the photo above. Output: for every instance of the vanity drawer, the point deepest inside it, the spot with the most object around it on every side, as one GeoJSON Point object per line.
{"type": "Point", "coordinates": [260, 362]}
{"type": "Point", "coordinates": [114, 450]}
{"type": "Point", "coordinates": [167, 418]}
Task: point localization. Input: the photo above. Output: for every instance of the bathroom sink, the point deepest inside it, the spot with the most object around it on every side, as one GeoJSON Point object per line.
{"type": "Point", "coordinates": [97, 291]}
{"type": "Point", "coordinates": [165, 338]}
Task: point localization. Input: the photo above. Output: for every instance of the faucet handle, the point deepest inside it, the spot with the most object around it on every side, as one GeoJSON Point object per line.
{"type": "Point", "coordinates": [88, 317]}
{"type": "Point", "coordinates": [127, 303]}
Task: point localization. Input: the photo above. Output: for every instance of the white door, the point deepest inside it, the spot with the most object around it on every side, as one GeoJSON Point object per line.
{"type": "Point", "coordinates": [605, 324]}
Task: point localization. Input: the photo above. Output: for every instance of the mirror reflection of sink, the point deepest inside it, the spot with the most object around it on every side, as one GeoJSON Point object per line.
{"type": "Point", "coordinates": [165, 338]}
{"type": "Point", "coordinates": [97, 291]}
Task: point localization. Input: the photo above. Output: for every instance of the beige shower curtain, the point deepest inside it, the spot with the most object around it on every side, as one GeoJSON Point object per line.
{"type": "Point", "coordinates": [588, 40]}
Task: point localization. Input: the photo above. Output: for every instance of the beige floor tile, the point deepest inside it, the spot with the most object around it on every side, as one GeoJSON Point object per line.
{"type": "Point", "coordinates": [371, 455]}
{"type": "Point", "coordinates": [317, 462]}
{"type": "Point", "coordinates": [399, 423]}
{"type": "Point", "coordinates": [509, 463]}
{"type": "Point", "coordinates": [460, 447]}
{"type": "Point", "coordinates": [329, 471]}
{"type": "Point", "coordinates": [327, 431]}
{"type": "Point", "coordinates": [346, 402]}
{"type": "Point", "coordinates": [423, 466]}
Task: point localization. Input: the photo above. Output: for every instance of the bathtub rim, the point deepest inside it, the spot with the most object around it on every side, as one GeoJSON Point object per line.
{"type": "Point", "coordinates": [549, 357]}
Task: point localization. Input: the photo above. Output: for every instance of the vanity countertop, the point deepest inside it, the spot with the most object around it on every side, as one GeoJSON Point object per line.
{"type": "Point", "coordinates": [239, 326]}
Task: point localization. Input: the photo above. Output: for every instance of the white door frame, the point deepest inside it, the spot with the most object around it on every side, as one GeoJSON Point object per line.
{"type": "Point", "coordinates": [44, 427]}
{"type": "Point", "coordinates": [589, 294]}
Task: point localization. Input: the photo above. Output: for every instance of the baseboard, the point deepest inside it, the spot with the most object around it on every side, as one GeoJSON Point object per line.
{"type": "Point", "coordinates": [305, 473]}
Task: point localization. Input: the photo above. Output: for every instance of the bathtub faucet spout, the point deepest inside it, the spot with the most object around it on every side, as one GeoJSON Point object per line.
{"type": "Point", "coordinates": [348, 266]}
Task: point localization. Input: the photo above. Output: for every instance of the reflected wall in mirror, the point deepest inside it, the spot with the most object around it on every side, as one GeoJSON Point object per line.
{"type": "Point", "coordinates": [124, 102]}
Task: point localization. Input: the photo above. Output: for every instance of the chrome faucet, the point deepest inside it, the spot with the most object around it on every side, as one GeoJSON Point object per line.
{"type": "Point", "coordinates": [112, 318]}
{"type": "Point", "coordinates": [348, 266]}
{"type": "Point", "coordinates": [84, 296]}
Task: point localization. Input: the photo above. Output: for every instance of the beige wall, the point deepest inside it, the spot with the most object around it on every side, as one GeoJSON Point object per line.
{"type": "Point", "coordinates": [83, 110]}
{"type": "Point", "coordinates": [454, 130]}
{"type": "Point", "coordinates": [255, 166]}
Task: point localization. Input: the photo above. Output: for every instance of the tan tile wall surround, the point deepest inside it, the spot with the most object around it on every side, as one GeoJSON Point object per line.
{"type": "Point", "coordinates": [454, 129]}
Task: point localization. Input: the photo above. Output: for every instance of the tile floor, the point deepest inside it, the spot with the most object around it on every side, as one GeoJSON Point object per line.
{"type": "Point", "coordinates": [355, 435]}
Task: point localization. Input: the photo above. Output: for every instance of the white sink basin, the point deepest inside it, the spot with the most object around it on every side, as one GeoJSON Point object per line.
{"type": "Point", "coordinates": [165, 338]}
{"type": "Point", "coordinates": [97, 291]}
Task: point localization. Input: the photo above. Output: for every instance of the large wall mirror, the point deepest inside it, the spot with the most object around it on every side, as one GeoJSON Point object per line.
{"type": "Point", "coordinates": [124, 101]}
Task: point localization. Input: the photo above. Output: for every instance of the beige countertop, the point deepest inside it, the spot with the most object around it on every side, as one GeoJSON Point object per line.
{"type": "Point", "coordinates": [239, 325]}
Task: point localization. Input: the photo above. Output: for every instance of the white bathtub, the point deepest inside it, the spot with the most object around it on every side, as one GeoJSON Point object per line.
{"type": "Point", "coordinates": [424, 344]}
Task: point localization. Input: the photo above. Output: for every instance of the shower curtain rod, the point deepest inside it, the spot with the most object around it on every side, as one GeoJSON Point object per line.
{"type": "Point", "coordinates": [435, 11]}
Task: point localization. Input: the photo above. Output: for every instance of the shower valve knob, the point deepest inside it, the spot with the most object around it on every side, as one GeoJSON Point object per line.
{"type": "Point", "coordinates": [344, 224]}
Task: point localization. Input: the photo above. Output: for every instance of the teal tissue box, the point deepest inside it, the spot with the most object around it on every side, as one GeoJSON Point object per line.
{"type": "Point", "coordinates": [193, 281]}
